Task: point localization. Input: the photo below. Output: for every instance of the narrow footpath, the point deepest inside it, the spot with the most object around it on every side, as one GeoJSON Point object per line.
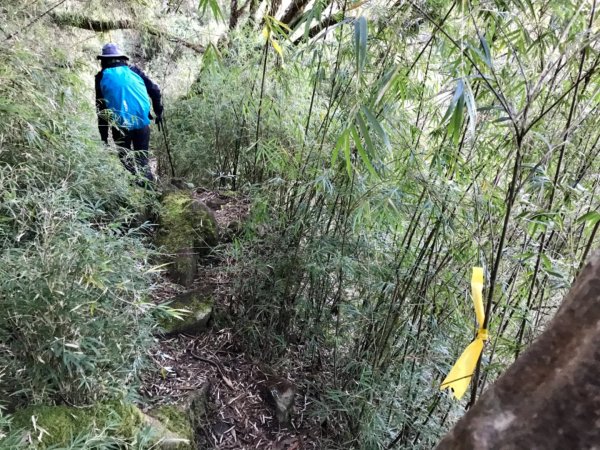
{"type": "Point", "coordinates": [212, 359]}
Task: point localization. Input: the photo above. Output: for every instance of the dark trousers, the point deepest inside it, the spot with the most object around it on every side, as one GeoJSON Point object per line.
{"type": "Point", "coordinates": [133, 149]}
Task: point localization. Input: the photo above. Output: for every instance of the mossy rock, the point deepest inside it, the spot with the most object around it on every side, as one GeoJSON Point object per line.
{"type": "Point", "coordinates": [120, 420]}
{"type": "Point", "coordinates": [200, 307]}
{"type": "Point", "coordinates": [177, 422]}
{"type": "Point", "coordinates": [64, 423]}
{"type": "Point", "coordinates": [188, 229]}
{"type": "Point", "coordinates": [186, 223]}
{"type": "Point", "coordinates": [201, 413]}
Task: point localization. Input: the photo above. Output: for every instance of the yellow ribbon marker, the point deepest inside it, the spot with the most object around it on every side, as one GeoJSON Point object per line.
{"type": "Point", "coordinates": [461, 373]}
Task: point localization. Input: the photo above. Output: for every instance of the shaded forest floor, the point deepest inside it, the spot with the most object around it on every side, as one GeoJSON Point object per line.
{"type": "Point", "coordinates": [239, 418]}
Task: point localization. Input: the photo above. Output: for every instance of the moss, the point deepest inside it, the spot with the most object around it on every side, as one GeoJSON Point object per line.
{"type": "Point", "coordinates": [175, 420]}
{"type": "Point", "coordinates": [200, 307]}
{"type": "Point", "coordinates": [187, 229]}
{"type": "Point", "coordinates": [176, 231]}
{"type": "Point", "coordinates": [63, 423]}
{"type": "Point", "coordinates": [185, 223]}
{"type": "Point", "coordinates": [200, 411]}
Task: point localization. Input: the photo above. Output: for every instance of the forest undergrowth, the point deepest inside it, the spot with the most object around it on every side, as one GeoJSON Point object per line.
{"type": "Point", "coordinates": [75, 267]}
{"type": "Point", "coordinates": [387, 151]}
{"type": "Point", "coordinates": [403, 146]}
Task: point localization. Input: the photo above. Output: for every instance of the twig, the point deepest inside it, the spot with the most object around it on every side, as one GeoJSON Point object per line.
{"type": "Point", "coordinates": [214, 364]}
{"type": "Point", "coordinates": [166, 138]}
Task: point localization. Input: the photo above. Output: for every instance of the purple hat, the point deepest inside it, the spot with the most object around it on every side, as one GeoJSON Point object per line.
{"type": "Point", "coordinates": [112, 50]}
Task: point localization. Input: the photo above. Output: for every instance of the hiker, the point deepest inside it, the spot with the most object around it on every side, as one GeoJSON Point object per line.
{"type": "Point", "coordinates": [123, 95]}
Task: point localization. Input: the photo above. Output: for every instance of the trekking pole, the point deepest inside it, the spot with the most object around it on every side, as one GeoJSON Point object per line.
{"type": "Point", "coordinates": [163, 127]}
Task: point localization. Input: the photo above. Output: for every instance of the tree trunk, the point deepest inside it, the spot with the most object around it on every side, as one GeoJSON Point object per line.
{"type": "Point", "coordinates": [251, 13]}
{"type": "Point", "coordinates": [80, 21]}
{"type": "Point", "coordinates": [327, 22]}
{"type": "Point", "coordinates": [234, 15]}
{"type": "Point", "coordinates": [550, 397]}
{"type": "Point", "coordinates": [293, 12]}
{"type": "Point", "coordinates": [275, 4]}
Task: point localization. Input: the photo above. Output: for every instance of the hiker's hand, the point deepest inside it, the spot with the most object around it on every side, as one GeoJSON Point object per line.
{"type": "Point", "coordinates": [159, 122]}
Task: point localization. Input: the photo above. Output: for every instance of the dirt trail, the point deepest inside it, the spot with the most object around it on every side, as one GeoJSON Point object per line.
{"type": "Point", "coordinates": [239, 419]}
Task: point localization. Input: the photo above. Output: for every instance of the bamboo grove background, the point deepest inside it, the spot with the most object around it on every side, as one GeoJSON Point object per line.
{"type": "Point", "coordinates": [386, 156]}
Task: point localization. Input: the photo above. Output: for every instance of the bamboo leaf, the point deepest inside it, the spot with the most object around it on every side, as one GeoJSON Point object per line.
{"type": "Point", "coordinates": [214, 7]}
{"type": "Point", "coordinates": [471, 108]}
{"type": "Point", "coordinates": [277, 47]}
{"type": "Point", "coordinates": [486, 50]}
{"type": "Point", "coordinates": [457, 95]}
{"type": "Point", "coordinates": [387, 81]}
{"type": "Point", "coordinates": [315, 12]}
{"type": "Point", "coordinates": [592, 218]}
{"type": "Point", "coordinates": [456, 121]}
{"type": "Point", "coordinates": [279, 25]}
{"type": "Point", "coordinates": [376, 125]}
{"type": "Point", "coordinates": [360, 43]}
{"type": "Point", "coordinates": [266, 32]}
{"type": "Point", "coordinates": [342, 144]}
{"type": "Point", "coordinates": [211, 56]}
{"type": "Point", "coordinates": [479, 54]}
{"type": "Point", "coordinates": [365, 132]}
{"type": "Point", "coordinates": [361, 151]}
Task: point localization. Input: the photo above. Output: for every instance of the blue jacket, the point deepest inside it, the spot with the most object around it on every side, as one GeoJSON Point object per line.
{"type": "Point", "coordinates": [123, 95]}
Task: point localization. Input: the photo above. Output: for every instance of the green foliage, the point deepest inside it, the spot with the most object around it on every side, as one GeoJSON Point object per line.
{"type": "Point", "coordinates": [76, 323]}
{"type": "Point", "coordinates": [9, 440]}
{"type": "Point", "coordinates": [60, 426]}
{"type": "Point", "coordinates": [385, 158]}
{"type": "Point", "coordinates": [175, 420]}
{"type": "Point", "coordinates": [382, 167]}
{"type": "Point", "coordinates": [185, 224]}
{"type": "Point", "coordinates": [214, 128]}
{"type": "Point", "coordinates": [73, 279]}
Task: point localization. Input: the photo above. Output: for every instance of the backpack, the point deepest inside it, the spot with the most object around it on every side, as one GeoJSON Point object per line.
{"type": "Point", "coordinates": [126, 97]}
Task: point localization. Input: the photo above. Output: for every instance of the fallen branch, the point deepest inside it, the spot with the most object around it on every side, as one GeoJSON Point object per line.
{"type": "Point", "coordinates": [79, 21]}
{"type": "Point", "coordinates": [85, 23]}
{"type": "Point", "coordinates": [217, 365]}
{"type": "Point", "coordinates": [177, 40]}
{"type": "Point", "coordinates": [323, 26]}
